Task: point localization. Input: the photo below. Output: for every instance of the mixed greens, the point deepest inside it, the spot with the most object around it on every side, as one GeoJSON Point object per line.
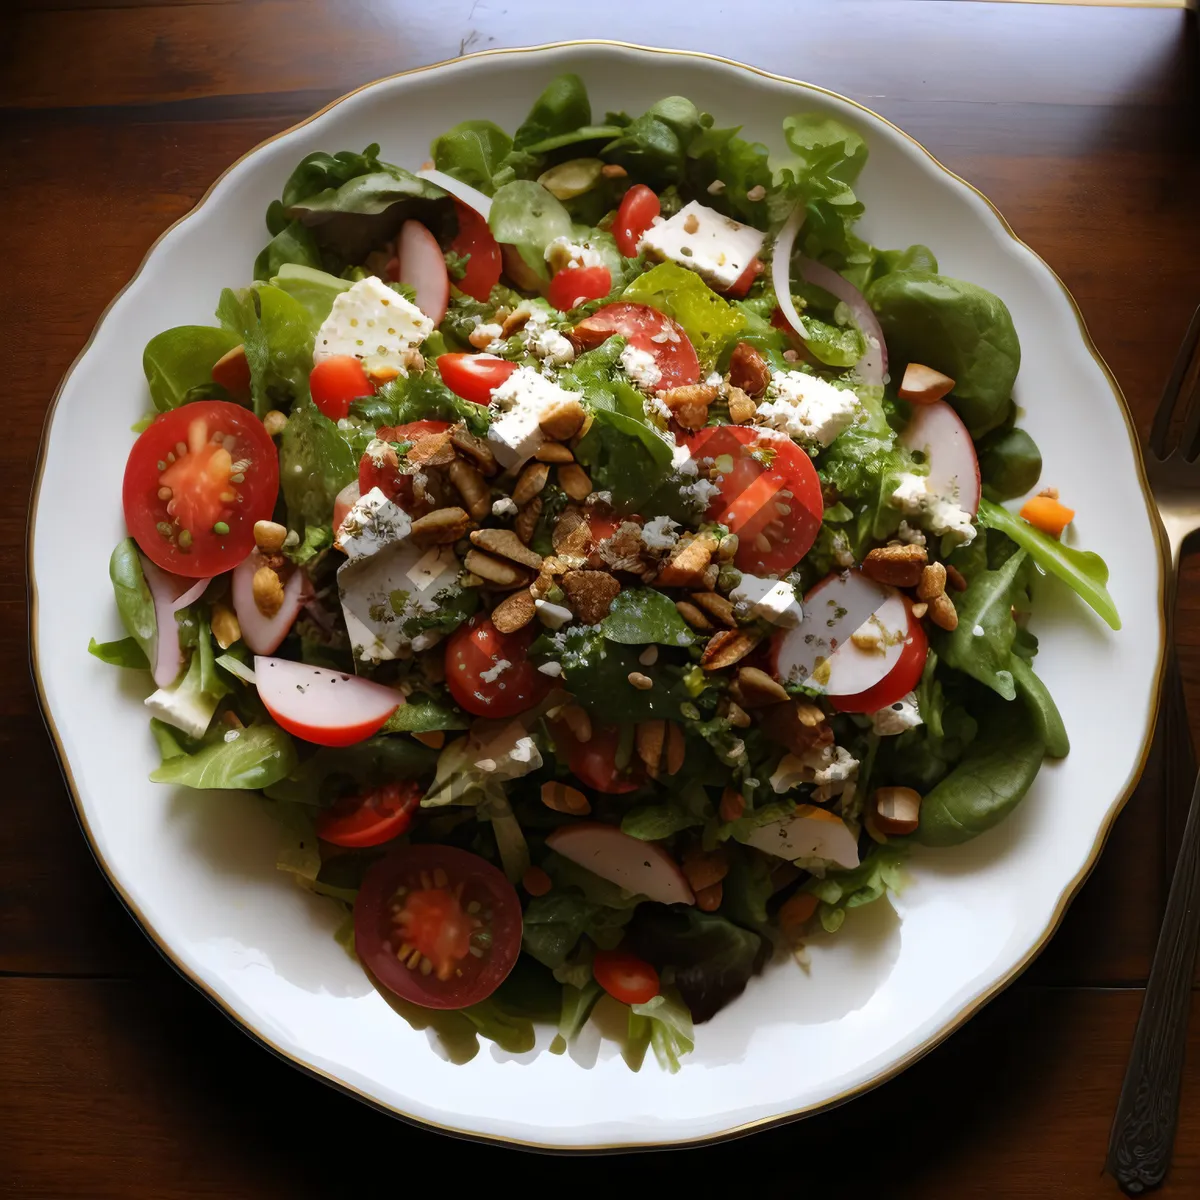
{"type": "Point", "coordinates": [593, 550]}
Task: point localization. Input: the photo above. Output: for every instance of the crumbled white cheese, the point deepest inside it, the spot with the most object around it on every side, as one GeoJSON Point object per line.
{"type": "Point", "coordinates": [843, 556]}
{"type": "Point", "coordinates": [978, 631]}
{"type": "Point", "coordinates": [716, 247]}
{"type": "Point", "coordinates": [657, 410]}
{"type": "Point", "coordinates": [369, 320]}
{"type": "Point", "coordinates": [517, 407]}
{"type": "Point", "coordinates": [660, 533]}
{"type": "Point", "coordinates": [641, 367]}
{"type": "Point", "coordinates": [807, 407]}
{"type": "Point", "coordinates": [486, 334]}
{"type": "Point", "coordinates": [940, 515]}
{"type": "Point", "coordinates": [553, 616]}
{"type": "Point", "coordinates": [553, 348]}
{"type": "Point", "coordinates": [909, 535]}
{"type": "Point", "coordinates": [825, 764]}
{"type": "Point", "coordinates": [681, 456]}
{"type": "Point", "coordinates": [562, 253]}
{"type": "Point", "coordinates": [553, 669]}
{"type": "Point", "coordinates": [770, 600]}
{"type": "Point", "coordinates": [494, 672]}
{"type": "Point", "coordinates": [898, 717]}
{"type": "Point", "coordinates": [701, 493]}
{"type": "Point", "coordinates": [510, 750]}
{"type": "Point", "coordinates": [506, 506]}
{"type": "Point", "coordinates": [373, 522]}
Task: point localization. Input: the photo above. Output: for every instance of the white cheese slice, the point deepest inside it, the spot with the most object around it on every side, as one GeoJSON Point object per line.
{"type": "Point", "coordinates": [716, 247]}
{"type": "Point", "coordinates": [770, 600]}
{"type": "Point", "coordinates": [373, 522]}
{"type": "Point", "coordinates": [517, 406]}
{"type": "Point", "coordinates": [183, 707]}
{"type": "Point", "coordinates": [371, 321]}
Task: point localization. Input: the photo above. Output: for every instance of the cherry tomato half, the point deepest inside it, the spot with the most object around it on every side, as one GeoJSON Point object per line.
{"type": "Point", "coordinates": [899, 681]}
{"type": "Point", "coordinates": [336, 382]}
{"type": "Point", "coordinates": [641, 325]}
{"type": "Point", "coordinates": [437, 926]}
{"type": "Point", "coordinates": [473, 376]}
{"type": "Point", "coordinates": [196, 481]}
{"type": "Point", "coordinates": [743, 283]}
{"type": "Point", "coordinates": [594, 762]}
{"type": "Point", "coordinates": [382, 469]}
{"type": "Point", "coordinates": [775, 531]}
{"type": "Point", "coordinates": [370, 818]}
{"type": "Point", "coordinates": [637, 210]}
{"type": "Point", "coordinates": [477, 649]}
{"type": "Point", "coordinates": [577, 285]}
{"type": "Point", "coordinates": [474, 238]}
{"type": "Point", "coordinates": [625, 977]}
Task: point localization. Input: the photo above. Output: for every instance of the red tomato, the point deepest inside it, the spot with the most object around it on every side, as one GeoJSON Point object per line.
{"type": "Point", "coordinates": [196, 481]}
{"type": "Point", "coordinates": [639, 207]}
{"type": "Point", "coordinates": [601, 528]}
{"type": "Point", "coordinates": [473, 376]}
{"type": "Point", "coordinates": [639, 324]}
{"type": "Point", "coordinates": [577, 285]}
{"type": "Point", "coordinates": [476, 649]}
{"type": "Point", "coordinates": [383, 470]}
{"type": "Point", "coordinates": [594, 762]}
{"type": "Point", "coordinates": [474, 238]}
{"type": "Point", "coordinates": [336, 382]}
{"type": "Point", "coordinates": [899, 681]}
{"type": "Point", "coordinates": [625, 977]}
{"type": "Point", "coordinates": [372, 817]}
{"type": "Point", "coordinates": [437, 926]}
{"type": "Point", "coordinates": [743, 283]}
{"type": "Point", "coordinates": [775, 531]}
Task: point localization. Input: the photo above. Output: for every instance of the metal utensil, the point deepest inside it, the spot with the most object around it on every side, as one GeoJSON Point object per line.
{"type": "Point", "coordinates": [1143, 1132]}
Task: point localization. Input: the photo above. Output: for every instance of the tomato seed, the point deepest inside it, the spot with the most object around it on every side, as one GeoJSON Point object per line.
{"type": "Point", "coordinates": [426, 966]}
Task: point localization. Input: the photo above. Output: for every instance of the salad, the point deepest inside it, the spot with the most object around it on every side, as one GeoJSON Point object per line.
{"type": "Point", "coordinates": [592, 551]}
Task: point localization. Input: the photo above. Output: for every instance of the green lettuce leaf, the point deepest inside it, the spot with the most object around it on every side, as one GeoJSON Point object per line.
{"type": "Point", "coordinates": [294, 245]}
{"type": "Point", "coordinates": [125, 653]}
{"type": "Point", "coordinates": [653, 148]}
{"type": "Point", "coordinates": [527, 216]}
{"type": "Point", "coordinates": [671, 1034]}
{"type": "Point", "coordinates": [332, 772]}
{"type": "Point", "coordinates": [134, 602]}
{"type": "Point", "coordinates": [252, 758]}
{"type": "Point", "coordinates": [474, 152]}
{"type": "Point", "coordinates": [560, 110]}
{"type": "Point", "coordinates": [639, 616]}
{"type": "Point", "coordinates": [426, 714]}
{"type": "Point", "coordinates": [841, 890]}
{"type": "Point", "coordinates": [315, 463]}
{"type": "Point", "coordinates": [178, 360]}
{"type": "Point", "coordinates": [313, 289]}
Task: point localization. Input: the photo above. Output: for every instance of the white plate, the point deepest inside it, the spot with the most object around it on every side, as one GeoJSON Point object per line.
{"type": "Point", "coordinates": [196, 869]}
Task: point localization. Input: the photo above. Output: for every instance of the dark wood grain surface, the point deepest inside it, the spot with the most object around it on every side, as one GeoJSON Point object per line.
{"type": "Point", "coordinates": [116, 1078]}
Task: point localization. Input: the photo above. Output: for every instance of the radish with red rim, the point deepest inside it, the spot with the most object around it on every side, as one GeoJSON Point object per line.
{"type": "Point", "coordinates": [641, 868]}
{"type": "Point", "coordinates": [423, 268]}
{"type": "Point", "coordinates": [263, 634]}
{"type": "Point", "coordinates": [936, 431]}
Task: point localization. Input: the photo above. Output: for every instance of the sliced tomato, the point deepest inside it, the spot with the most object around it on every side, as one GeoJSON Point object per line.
{"type": "Point", "coordinates": [382, 470]}
{"type": "Point", "coordinates": [900, 680]}
{"type": "Point", "coordinates": [639, 206]}
{"type": "Point", "coordinates": [577, 285]}
{"type": "Point", "coordinates": [195, 483]}
{"type": "Point", "coordinates": [474, 242]}
{"type": "Point", "coordinates": [437, 926]}
{"type": "Point", "coordinates": [745, 281]}
{"type": "Point", "coordinates": [625, 977]}
{"type": "Point", "coordinates": [594, 762]}
{"type": "Point", "coordinates": [477, 649]}
{"type": "Point", "coordinates": [336, 382]}
{"type": "Point", "coordinates": [473, 376]}
{"type": "Point", "coordinates": [372, 817]}
{"type": "Point", "coordinates": [770, 495]}
{"type": "Point", "coordinates": [646, 329]}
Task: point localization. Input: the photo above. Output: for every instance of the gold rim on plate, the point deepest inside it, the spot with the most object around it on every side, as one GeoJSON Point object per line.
{"type": "Point", "coordinates": [960, 1018]}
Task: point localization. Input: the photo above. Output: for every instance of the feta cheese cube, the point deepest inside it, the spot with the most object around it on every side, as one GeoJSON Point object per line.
{"type": "Point", "coordinates": [807, 407]}
{"type": "Point", "coordinates": [183, 706]}
{"type": "Point", "coordinates": [369, 320]}
{"type": "Point", "coordinates": [770, 600]}
{"type": "Point", "coordinates": [517, 406]}
{"type": "Point", "coordinates": [716, 247]}
{"type": "Point", "coordinates": [373, 522]}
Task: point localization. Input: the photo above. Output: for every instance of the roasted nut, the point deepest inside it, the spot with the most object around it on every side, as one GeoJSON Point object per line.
{"type": "Point", "coordinates": [412, 360]}
{"type": "Point", "coordinates": [506, 544]}
{"type": "Point", "coordinates": [573, 480]}
{"type": "Point", "coordinates": [733, 804]}
{"type": "Point", "coordinates": [590, 594]}
{"type": "Point", "coordinates": [481, 337]}
{"type": "Point", "coordinates": [564, 799]}
{"type": "Point", "coordinates": [686, 565]}
{"type": "Point", "coordinates": [809, 714]}
{"type": "Point", "coordinates": [275, 422]}
{"type": "Point", "coordinates": [496, 571]}
{"type": "Point", "coordinates": [933, 581]}
{"type": "Point", "coordinates": [613, 171]}
{"type": "Point", "coordinates": [267, 589]}
{"type": "Point", "coordinates": [575, 717]}
{"type": "Point", "coordinates": [693, 616]}
{"type": "Point", "coordinates": [554, 452]}
{"type": "Point", "coordinates": [536, 882]}
{"type": "Point", "coordinates": [530, 482]}
{"type": "Point", "coordinates": [643, 683]}
{"type": "Point", "coordinates": [269, 536]}
{"type": "Point", "coordinates": [571, 534]}
{"type": "Point", "coordinates": [738, 717]}
{"type": "Point", "coordinates": [898, 565]}
{"type": "Point", "coordinates": [589, 333]}
{"type": "Point", "coordinates": [515, 322]}
{"type": "Point", "coordinates": [716, 606]}
{"type": "Point", "coordinates": [526, 521]}
{"type": "Point", "coordinates": [741, 407]}
{"type": "Point", "coordinates": [943, 613]}
{"type": "Point", "coordinates": [474, 448]}
{"type": "Point", "coordinates": [783, 724]}
{"type": "Point", "coordinates": [440, 527]}
{"type": "Point", "coordinates": [709, 900]}
{"type": "Point", "coordinates": [224, 625]}
{"type": "Point", "coordinates": [692, 416]}
{"type": "Point", "coordinates": [897, 810]}
{"type": "Point", "coordinates": [690, 393]}
{"type": "Point", "coordinates": [796, 911]}
{"type": "Point", "coordinates": [691, 223]}
{"type": "Point", "coordinates": [515, 612]}
{"type": "Point", "coordinates": [758, 689]}
{"type": "Point", "coordinates": [469, 484]}
{"type": "Point", "coordinates": [920, 609]}
{"type": "Point", "coordinates": [563, 421]}
{"type": "Point", "coordinates": [727, 647]}
{"type": "Point", "coordinates": [431, 450]}
{"type": "Point", "coordinates": [660, 745]}
{"type": "Point", "coordinates": [703, 868]}
{"type": "Point", "coordinates": [541, 586]}
{"type": "Point", "coordinates": [748, 370]}
{"type": "Point", "coordinates": [622, 550]}
{"type": "Point", "coordinates": [955, 578]}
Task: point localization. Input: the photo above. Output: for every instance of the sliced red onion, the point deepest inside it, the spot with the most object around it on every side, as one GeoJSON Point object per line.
{"type": "Point", "coordinates": [471, 197]}
{"type": "Point", "coordinates": [781, 268]}
{"type": "Point", "coordinates": [170, 593]}
{"type": "Point", "coordinates": [872, 366]}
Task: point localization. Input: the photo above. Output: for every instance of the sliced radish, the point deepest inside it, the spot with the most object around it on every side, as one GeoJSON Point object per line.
{"type": "Point", "coordinates": [264, 634]}
{"type": "Point", "coordinates": [423, 267]}
{"type": "Point", "coordinates": [898, 682]}
{"type": "Point", "coordinates": [170, 594]}
{"type": "Point", "coordinates": [639, 867]}
{"type": "Point", "coordinates": [471, 197]}
{"type": "Point", "coordinates": [325, 707]}
{"type": "Point", "coordinates": [809, 832]}
{"type": "Point", "coordinates": [345, 500]}
{"type": "Point", "coordinates": [936, 432]}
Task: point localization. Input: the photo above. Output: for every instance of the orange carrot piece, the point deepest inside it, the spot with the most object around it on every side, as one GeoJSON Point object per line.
{"type": "Point", "coordinates": [1048, 515]}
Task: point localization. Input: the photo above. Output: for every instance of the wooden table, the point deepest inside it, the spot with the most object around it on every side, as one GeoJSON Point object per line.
{"type": "Point", "coordinates": [116, 1078]}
